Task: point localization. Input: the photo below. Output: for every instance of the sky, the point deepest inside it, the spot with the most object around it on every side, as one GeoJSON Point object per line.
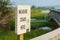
{"type": "Point", "coordinates": [36, 2]}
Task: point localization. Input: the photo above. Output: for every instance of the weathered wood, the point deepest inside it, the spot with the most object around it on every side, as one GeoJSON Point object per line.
{"type": "Point", "coordinates": [55, 15]}
{"type": "Point", "coordinates": [53, 35]}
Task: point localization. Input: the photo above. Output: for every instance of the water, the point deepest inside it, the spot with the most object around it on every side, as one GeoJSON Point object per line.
{"type": "Point", "coordinates": [45, 11]}
{"type": "Point", "coordinates": [44, 28]}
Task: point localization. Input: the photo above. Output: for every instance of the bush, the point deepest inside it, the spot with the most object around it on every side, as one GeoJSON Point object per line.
{"type": "Point", "coordinates": [35, 25]}
{"type": "Point", "coordinates": [12, 24]}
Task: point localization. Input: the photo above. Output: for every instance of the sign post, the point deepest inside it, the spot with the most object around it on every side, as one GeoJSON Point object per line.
{"type": "Point", "coordinates": [21, 37]}
{"type": "Point", "coordinates": [22, 20]}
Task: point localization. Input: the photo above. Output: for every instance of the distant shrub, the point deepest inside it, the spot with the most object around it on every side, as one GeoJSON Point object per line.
{"type": "Point", "coordinates": [34, 25]}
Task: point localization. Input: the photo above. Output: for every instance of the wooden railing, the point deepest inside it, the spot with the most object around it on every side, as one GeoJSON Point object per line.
{"type": "Point", "coordinates": [55, 16]}
{"type": "Point", "coordinates": [53, 35]}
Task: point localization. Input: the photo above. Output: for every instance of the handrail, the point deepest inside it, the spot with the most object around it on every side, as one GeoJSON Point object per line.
{"type": "Point", "coordinates": [55, 16]}
{"type": "Point", "coordinates": [53, 35]}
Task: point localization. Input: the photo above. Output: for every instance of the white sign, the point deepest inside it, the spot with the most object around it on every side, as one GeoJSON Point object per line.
{"type": "Point", "coordinates": [22, 19]}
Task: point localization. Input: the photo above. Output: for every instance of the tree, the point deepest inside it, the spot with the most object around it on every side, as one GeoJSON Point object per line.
{"type": "Point", "coordinates": [5, 13]}
{"type": "Point", "coordinates": [33, 7]}
{"type": "Point", "coordinates": [4, 7]}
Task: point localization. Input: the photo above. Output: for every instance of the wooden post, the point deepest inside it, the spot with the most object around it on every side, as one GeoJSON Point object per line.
{"type": "Point", "coordinates": [21, 37]}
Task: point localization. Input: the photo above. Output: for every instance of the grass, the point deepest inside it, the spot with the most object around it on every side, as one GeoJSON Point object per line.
{"type": "Point", "coordinates": [12, 36]}
{"type": "Point", "coordinates": [37, 14]}
{"type": "Point", "coordinates": [34, 34]}
{"type": "Point", "coordinates": [7, 35]}
{"type": "Point", "coordinates": [35, 25]}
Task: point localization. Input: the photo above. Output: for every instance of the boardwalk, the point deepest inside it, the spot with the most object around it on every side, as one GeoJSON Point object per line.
{"type": "Point", "coordinates": [55, 15]}
{"type": "Point", "coordinates": [53, 35]}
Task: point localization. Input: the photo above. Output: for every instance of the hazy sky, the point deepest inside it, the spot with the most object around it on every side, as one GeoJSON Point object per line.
{"type": "Point", "coordinates": [37, 2]}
